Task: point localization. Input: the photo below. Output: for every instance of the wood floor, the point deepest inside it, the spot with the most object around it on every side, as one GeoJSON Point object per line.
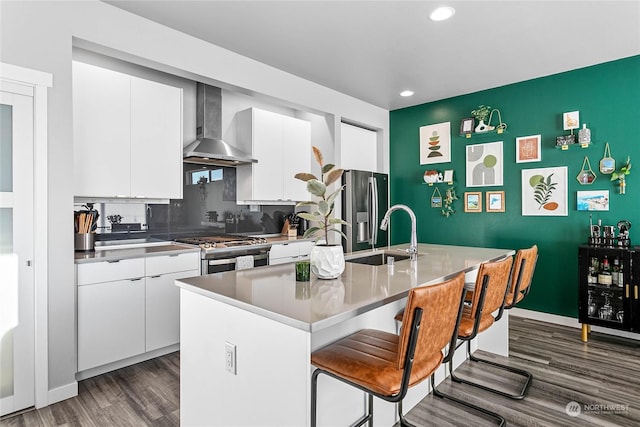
{"type": "Point", "coordinates": [603, 374]}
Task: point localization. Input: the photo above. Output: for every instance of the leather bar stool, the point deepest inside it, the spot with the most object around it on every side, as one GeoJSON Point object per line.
{"type": "Point", "coordinates": [385, 365]}
{"type": "Point", "coordinates": [488, 297]}
{"type": "Point", "coordinates": [522, 276]}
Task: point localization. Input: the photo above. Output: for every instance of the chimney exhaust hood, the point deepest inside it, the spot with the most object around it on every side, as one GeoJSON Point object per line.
{"type": "Point", "coordinates": [209, 148]}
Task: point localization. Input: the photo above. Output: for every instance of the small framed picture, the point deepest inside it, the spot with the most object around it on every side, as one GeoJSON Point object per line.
{"type": "Point", "coordinates": [593, 200]}
{"type": "Point", "coordinates": [466, 126]}
{"type": "Point", "coordinates": [495, 201]}
{"type": "Point", "coordinates": [448, 176]}
{"type": "Point", "coordinates": [571, 120]}
{"type": "Point", "coordinates": [473, 201]}
{"type": "Point", "coordinates": [528, 149]}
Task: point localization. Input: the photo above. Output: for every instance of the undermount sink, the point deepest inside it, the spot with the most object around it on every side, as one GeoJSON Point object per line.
{"type": "Point", "coordinates": [378, 258]}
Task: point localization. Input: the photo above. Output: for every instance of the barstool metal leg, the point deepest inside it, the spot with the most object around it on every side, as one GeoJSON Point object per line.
{"type": "Point", "coordinates": [314, 402]}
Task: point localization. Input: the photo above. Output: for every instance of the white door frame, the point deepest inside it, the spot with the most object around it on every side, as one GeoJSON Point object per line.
{"type": "Point", "coordinates": [40, 82]}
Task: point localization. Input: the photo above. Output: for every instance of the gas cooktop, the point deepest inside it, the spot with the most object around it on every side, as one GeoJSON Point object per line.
{"type": "Point", "coordinates": [225, 241]}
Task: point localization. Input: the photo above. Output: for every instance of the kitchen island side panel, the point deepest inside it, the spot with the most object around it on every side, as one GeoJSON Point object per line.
{"type": "Point", "coordinates": [272, 367]}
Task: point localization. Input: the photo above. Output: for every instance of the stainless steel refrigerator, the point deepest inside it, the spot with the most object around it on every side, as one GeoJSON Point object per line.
{"type": "Point", "coordinates": [364, 202]}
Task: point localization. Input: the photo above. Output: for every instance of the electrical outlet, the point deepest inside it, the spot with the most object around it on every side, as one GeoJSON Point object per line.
{"type": "Point", "coordinates": [230, 357]}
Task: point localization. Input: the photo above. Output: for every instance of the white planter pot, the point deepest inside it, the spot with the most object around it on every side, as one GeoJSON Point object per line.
{"type": "Point", "coordinates": [483, 127]}
{"type": "Point", "coordinates": [327, 262]}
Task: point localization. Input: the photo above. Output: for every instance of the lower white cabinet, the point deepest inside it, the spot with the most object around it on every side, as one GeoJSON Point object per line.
{"type": "Point", "coordinates": [281, 253]}
{"type": "Point", "coordinates": [129, 307]}
{"type": "Point", "coordinates": [110, 322]}
{"type": "Point", "coordinates": [162, 309]}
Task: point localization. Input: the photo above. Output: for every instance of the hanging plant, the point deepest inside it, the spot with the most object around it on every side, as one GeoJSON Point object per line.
{"type": "Point", "coordinates": [449, 198]}
{"type": "Point", "coordinates": [621, 175]}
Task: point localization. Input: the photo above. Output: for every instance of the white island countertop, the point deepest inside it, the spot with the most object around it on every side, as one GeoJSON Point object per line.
{"type": "Point", "coordinates": [272, 291]}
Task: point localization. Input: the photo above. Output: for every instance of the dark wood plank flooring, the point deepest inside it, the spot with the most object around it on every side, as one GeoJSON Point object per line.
{"type": "Point", "coordinates": [605, 371]}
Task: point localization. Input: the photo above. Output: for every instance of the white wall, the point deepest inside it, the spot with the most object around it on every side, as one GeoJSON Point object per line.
{"type": "Point", "coordinates": [40, 35]}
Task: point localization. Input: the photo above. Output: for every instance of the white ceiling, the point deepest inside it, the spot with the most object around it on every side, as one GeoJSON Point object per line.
{"type": "Point", "coordinates": [373, 50]}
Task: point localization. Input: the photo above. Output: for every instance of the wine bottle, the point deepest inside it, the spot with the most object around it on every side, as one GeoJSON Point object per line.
{"type": "Point", "coordinates": [621, 275]}
{"type": "Point", "coordinates": [615, 271]}
{"type": "Point", "coordinates": [604, 277]}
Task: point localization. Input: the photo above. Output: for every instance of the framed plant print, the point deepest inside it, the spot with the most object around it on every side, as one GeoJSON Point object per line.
{"type": "Point", "coordinates": [435, 143]}
{"type": "Point", "coordinates": [495, 201]}
{"type": "Point", "coordinates": [571, 120]}
{"type": "Point", "coordinates": [484, 164]}
{"type": "Point", "coordinates": [473, 201]}
{"type": "Point", "coordinates": [544, 192]}
{"type": "Point", "coordinates": [528, 149]}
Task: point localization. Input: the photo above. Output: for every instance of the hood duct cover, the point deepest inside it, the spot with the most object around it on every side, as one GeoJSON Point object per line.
{"type": "Point", "coordinates": [209, 148]}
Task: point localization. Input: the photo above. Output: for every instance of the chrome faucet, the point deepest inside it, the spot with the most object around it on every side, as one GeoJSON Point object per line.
{"type": "Point", "coordinates": [413, 246]}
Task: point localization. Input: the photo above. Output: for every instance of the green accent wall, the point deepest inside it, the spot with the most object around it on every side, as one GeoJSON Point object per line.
{"type": "Point", "coordinates": [608, 99]}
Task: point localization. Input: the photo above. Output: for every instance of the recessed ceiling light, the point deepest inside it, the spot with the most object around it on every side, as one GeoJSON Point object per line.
{"type": "Point", "coordinates": [406, 93]}
{"type": "Point", "coordinates": [442, 13]}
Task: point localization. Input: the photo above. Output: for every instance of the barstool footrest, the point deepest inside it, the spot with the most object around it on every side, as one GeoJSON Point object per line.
{"type": "Point", "coordinates": [528, 375]}
{"type": "Point", "coordinates": [442, 395]}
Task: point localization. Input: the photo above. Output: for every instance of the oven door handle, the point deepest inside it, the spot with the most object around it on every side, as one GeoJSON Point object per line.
{"type": "Point", "coordinates": [229, 261]}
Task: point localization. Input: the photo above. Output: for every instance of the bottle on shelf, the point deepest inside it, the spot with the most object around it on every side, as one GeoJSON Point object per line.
{"type": "Point", "coordinates": [615, 272]}
{"type": "Point", "coordinates": [621, 275]}
{"type": "Point", "coordinates": [594, 269]}
{"type": "Point", "coordinates": [605, 277]}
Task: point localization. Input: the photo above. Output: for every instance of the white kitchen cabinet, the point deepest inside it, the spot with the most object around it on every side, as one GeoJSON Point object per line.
{"type": "Point", "coordinates": [162, 301]}
{"type": "Point", "coordinates": [101, 140]}
{"type": "Point", "coordinates": [127, 135]}
{"type": "Point", "coordinates": [282, 146]}
{"type": "Point", "coordinates": [281, 253]}
{"type": "Point", "coordinates": [111, 320]}
{"type": "Point", "coordinates": [129, 307]}
{"type": "Point", "coordinates": [156, 140]}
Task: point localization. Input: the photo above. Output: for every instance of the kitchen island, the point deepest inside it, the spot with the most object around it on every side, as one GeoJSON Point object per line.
{"type": "Point", "coordinates": [247, 336]}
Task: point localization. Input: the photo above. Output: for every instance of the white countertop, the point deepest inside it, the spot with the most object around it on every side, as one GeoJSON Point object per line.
{"type": "Point", "coordinates": [132, 250]}
{"type": "Point", "coordinates": [273, 292]}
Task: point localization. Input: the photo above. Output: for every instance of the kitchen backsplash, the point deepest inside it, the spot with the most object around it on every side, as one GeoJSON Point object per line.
{"type": "Point", "coordinates": [206, 207]}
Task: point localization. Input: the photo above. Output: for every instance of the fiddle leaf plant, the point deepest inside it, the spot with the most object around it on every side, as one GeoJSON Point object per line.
{"type": "Point", "coordinates": [321, 211]}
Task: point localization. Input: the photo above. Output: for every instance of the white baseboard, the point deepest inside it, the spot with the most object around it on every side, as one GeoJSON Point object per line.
{"type": "Point", "coordinates": [62, 393]}
{"type": "Point", "coordinates": [571, 322]}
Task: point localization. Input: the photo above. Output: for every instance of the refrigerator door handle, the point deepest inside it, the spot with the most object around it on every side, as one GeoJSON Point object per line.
{"type": "Point", "coordinates": [373, 209]}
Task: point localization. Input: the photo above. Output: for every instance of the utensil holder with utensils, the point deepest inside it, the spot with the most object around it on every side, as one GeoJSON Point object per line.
{"type": "Point", "coordinates": [85, 224]}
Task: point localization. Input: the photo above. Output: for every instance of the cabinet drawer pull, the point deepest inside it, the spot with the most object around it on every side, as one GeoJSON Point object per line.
{"type": "Point", "coordinates": [111, 261]}
{"type": "Point", "coordinates": [136, 279]}
{"type": "Point", "coordinates": [626, 293]}
{"type": "Point", "coordinates": [635, 291]}
{"type": "Point", "coordinates": [155, 277]}
{"type": "Point", "coordinates": [172, 255]}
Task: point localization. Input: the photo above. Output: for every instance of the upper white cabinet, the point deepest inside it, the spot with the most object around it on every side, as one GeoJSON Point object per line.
{"type": "Point", "coordinates": [282, 146]}
{"type": "Point", "coordinates": [127, 135]}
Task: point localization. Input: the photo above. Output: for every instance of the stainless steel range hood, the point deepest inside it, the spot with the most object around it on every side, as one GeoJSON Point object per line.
{"type": "Point", "coordinates": [209, 148]}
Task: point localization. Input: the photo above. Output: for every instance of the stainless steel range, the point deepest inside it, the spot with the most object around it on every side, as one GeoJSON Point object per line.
{"type": "Point", "coordinates": [220, 253]}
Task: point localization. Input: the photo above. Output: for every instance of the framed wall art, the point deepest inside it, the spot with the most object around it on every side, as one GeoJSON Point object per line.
{"type": "Point", "coordinates": [544, 192]}
{"type": "Point", "coordinates": [473, 201]}
{"type": "Point", "coordinates": [435, 143]}
{"type": "Point", "coordinates": [495, 201]}
{"type": "Point", "coordinates": [593, 200]}
{"type": "Point", "coordinates": [528, 149]}
{"type": "Point", "coordinates": [466, 126]}
{"type": "Point", "coordinates": [571, 120]}
{"type": "Point", "coordinates": [484, 164]}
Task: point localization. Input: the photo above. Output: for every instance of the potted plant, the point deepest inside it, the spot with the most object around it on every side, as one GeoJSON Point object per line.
{"type": "Point", "coordinates": [621, 174]}
{"type": "Point", "coordinates": [481, 114]}
{"type": "Point", "coordinates": [327, 261]}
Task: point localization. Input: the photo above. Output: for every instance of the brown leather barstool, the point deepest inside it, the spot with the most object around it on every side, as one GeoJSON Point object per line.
{"type": "Point", "coordinates": [488, 297]}
{"type": "Point", "coordinates": [521, 276]}
{"type": "Point", "coordinates": [385, 365]}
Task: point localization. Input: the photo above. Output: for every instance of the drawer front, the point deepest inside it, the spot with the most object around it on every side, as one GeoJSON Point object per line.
{"type": "Point", "coordinates": [304, 249]}
{"type": "Point", "coordinates": [283, 250]}
{"type": "Point", "coordinates": [163, 264]}
{"type": "Point", "coordinates": [108, 271]}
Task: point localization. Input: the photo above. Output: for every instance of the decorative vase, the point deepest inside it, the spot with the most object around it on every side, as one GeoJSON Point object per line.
{"type": "Point", "coordinates": [483, 127]}
{"type": "Point", "coordinates": [327, 261]}
{"type": "Point", "coordinates": [623, 186]}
